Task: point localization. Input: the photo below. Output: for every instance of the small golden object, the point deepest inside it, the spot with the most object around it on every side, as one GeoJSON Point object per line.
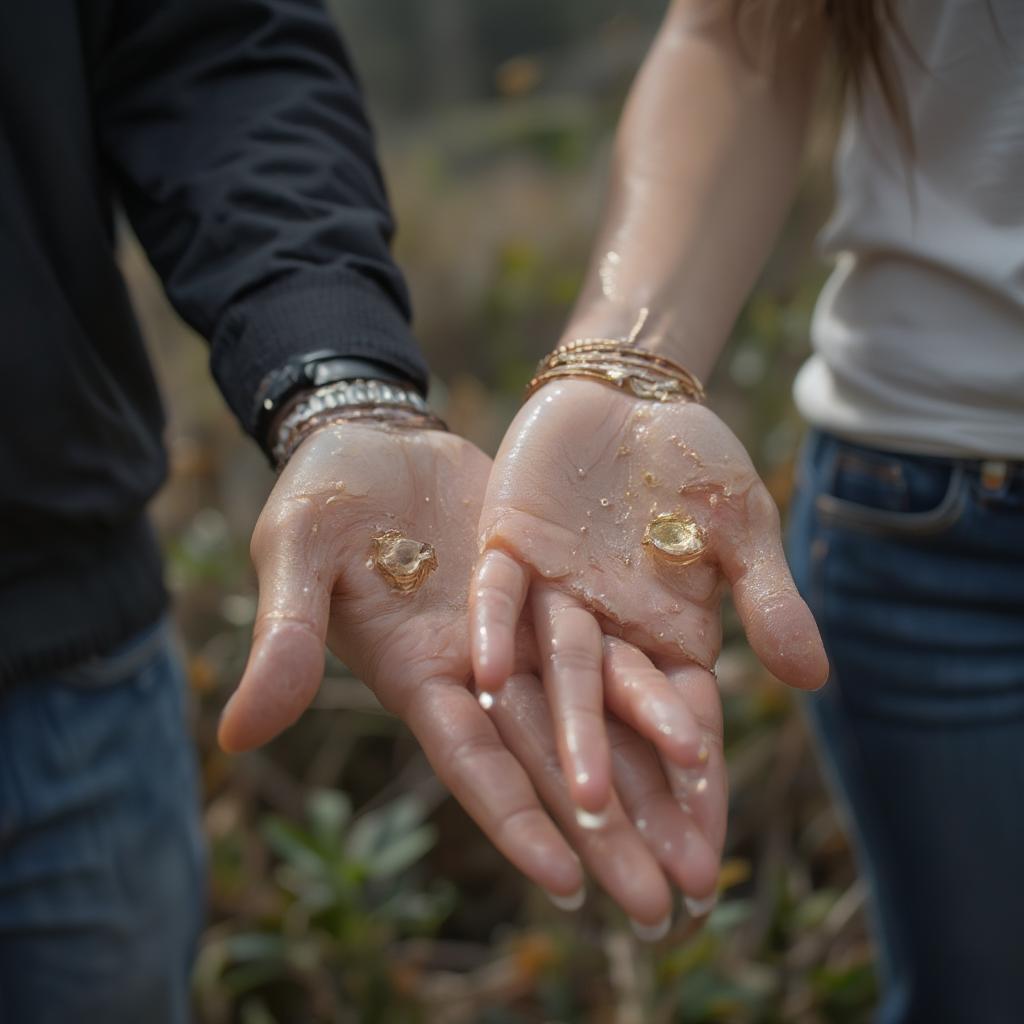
{"type": "Point", "coordinates": [403, 562]}
{"type": "Point", "coordinates": [675, 537]}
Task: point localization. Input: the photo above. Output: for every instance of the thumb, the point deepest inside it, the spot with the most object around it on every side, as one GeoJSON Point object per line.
{"type": "Point", "coordinates": [286, 661]}
{"type": "Point", "coordinates": [779, 626]}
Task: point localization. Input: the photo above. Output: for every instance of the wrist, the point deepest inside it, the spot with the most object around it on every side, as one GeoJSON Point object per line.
{"type": "Point", "coordinates": [623, 365]}
{"type": "Point", "coordinates": [306, 373]}
{"type": "Point", "coordinates": [664, 333]}
{"type": "Point", "coordinates": [366, 401]}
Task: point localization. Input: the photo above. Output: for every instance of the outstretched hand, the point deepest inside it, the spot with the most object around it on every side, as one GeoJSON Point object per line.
{"type": "Point", "coordinates": [582, 471]}
{"type": "Point", "coordinates": [313, 548]}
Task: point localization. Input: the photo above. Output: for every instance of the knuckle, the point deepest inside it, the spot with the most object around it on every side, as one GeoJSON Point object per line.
{"type": "Point", "coordinates": [464, 753]}
{"type": "Point", "coordinates": [499, 603]}
{"type": "Point", "coordinates": [574, 660]}
{"type": "Point", "coordinates": [520, 822]}
{"type": "Point", "coordinates": [583, 714]}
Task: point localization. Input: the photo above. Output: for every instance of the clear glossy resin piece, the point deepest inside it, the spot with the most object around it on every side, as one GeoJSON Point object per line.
{"type": "Point", "coordinates": [403, 562]}
{"type": "Point", "coordinates": [676, 538]}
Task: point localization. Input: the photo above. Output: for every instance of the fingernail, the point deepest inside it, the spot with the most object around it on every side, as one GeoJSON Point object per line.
{"type": "Point", "coordinates": [589, 820]}
{"type": "Point", "coordinates": [568, 903]}
{"type": "Point", "coordinates": [700, 908]}
{"type": "Point", "coordinates": [651, 932]}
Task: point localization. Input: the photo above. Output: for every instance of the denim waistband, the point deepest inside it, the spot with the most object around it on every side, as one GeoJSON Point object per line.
{"type": "Point", "coordinates": [992, 474]}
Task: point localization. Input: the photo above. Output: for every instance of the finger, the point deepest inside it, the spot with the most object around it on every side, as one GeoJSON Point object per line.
{"type": "Point", "coordinates": [615, 854]}
{"type": "Point", "coordinates": [286, 661]}
{"type": "Point", "coordinates": [669, 829]}
{"type": "Point", "coordinates": [496, 603]}
{"type": "Point", "coordinates": [778, 624]}
{"type": "Point", "coordinates": [702, 793]}
{"type": "Point", "coordinates": [465, 750]}
{"type": "Point", "coordinates": [639, 694]}
{"type": "Point", "coordinates": [570, 647]}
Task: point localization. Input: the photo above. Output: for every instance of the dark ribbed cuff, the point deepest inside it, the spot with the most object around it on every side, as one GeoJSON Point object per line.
{"type": "Point", "coordinates": [336, 309]}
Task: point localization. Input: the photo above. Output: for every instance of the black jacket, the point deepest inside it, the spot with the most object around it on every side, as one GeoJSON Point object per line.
{"type": "Point", "coordinates": [233, 134]}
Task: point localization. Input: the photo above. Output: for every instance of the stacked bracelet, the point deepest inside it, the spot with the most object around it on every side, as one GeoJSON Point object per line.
{"type": "Point", "coordinates": [621, 365]}
{"type": "Point", "coordinates": [372, 400]}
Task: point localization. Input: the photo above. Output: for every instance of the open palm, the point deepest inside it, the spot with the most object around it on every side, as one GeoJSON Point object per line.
{"type": "Point", "coordinates": [582, 472]}
{"type": "Point", "coordinates": [313, 549]}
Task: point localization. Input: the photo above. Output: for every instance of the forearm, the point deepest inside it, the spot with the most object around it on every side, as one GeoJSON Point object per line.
{"type": "Point", "coordinates": [706, 161]}
{"type": "Point", "coordinates": [236, 136]}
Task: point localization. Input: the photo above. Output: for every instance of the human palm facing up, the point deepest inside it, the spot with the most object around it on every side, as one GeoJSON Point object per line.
{"type": "Point", "coordinates": [591, 492]}
{"type": "Point", "coordinates": [329, 570]}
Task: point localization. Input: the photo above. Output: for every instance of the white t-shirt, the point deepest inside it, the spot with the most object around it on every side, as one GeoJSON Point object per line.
{"type": "Point", "coordinates": [918, 334]}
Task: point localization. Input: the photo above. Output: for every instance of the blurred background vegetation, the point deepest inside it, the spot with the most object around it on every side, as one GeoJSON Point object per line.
{"type": "Point", "coordinates": [345, 885]}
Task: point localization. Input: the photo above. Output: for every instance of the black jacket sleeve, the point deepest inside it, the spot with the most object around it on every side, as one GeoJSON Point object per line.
{"type": "Point", "coordinates": [238, 142]}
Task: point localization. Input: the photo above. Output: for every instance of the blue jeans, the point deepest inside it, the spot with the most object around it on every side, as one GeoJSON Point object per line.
{"type": "Point", "coordinates": [914, 569]}
{"type": "Point", "coordinates": [101, 851]}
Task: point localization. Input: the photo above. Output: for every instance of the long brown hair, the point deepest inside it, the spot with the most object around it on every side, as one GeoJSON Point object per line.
{"type": "Point", "coordinates": [863, 34]}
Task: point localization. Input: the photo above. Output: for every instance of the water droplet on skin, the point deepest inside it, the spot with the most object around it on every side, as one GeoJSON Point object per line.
{"type": "Point", "coordinates": [314, 529]}
{"type": "Point", "coordinates": [427, 499]}
{"type": "Point", "coordinates": [624, 450]}
{"type": "Point", "coordinates": [650, 479]}
{"type": "Point", "coordinates": [606, 274]}
{"type": "Point", "coordinates": [604, 503]}
{"type": "Point", "coordinates": [713, 500]}
{"type": "Point", "coordinates": [486, 700]}
{"type": "Point", "coordinates": [581, 472]}
{"type": "Point", "coordinates": [589, 513]}
{"type": "Point", "coordinates": [702, 785]}
{"type": "Point", "coordinates": [583, 529]}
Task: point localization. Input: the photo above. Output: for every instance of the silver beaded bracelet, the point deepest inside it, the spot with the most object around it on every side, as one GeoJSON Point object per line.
{"type": "Point", "coordinates": [355, 399]}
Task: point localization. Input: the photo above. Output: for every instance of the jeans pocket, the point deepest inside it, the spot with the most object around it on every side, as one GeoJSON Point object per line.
{"type": "Point", "coordinates": [889, 494]}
